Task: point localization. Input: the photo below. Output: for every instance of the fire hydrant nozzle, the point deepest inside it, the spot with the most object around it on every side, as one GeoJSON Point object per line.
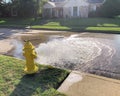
{"type": "Point", "coordinates": [30, 54]}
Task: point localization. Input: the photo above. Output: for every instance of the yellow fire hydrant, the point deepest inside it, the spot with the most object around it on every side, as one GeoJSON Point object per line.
{"type": "Point", "coordinates": [30, 54]}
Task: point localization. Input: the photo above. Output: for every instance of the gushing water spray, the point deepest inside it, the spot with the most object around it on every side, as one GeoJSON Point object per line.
{"type": "Point", "coordinates": [68, 52]}
{"type": "Point", "coordinates": [18, 46]}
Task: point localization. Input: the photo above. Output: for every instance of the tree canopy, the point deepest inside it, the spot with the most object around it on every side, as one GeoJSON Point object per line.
{"type": "Point", "coordinates": [4, 9]}
{"type": "Point", "coordinates": [23, 8]}
{"type": "Point", "coordinates": [110, 8]}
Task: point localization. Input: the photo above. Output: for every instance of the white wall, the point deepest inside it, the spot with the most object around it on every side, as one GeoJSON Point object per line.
{"type": "Point", "coordinates": [79, 4]}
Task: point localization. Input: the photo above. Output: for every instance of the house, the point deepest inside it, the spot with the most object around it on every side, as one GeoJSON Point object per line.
{"type": "Point", "coordinates": [70, 8]}
{"type": "Point", "coordinates": [93, 4]}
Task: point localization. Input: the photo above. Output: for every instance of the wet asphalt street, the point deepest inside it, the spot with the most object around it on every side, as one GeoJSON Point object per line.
{"type": "Point", "coordinates": [106, 64]}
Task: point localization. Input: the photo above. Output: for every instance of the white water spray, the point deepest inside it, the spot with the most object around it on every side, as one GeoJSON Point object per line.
{"type": "Point", "coordinates": [18, 46]}
{"type": "Point", "coordinates": [68, 52]}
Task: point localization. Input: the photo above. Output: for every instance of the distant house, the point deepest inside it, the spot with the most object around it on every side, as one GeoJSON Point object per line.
{"type": "Point", "coordinates": [70, 8]}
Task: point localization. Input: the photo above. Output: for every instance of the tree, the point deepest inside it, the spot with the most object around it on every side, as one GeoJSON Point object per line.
{"type": "Point", "coordinates": [4, 9]}
{"type": "Point", "coordinates": [24, 8]}
{"type": "Point", "coordinates": [28, 8]}
{"type": "Point", "coordinates": [42, 2]}
{"type": "Point", "coordinates": [110, 8]}
{"type": "Point", "coordinates": [39, 7]}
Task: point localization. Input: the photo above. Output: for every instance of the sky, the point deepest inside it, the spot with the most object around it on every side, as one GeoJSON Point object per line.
{"type": "Point", "coordinates": [7, 1]}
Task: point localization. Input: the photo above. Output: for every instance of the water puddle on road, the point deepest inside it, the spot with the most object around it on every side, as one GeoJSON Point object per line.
{"type": "Point", "coordinates": [87, 52]}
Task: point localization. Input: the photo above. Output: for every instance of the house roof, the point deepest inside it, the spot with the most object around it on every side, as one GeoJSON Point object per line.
{"type": "Point", "coordinates": [54, 4]}
{"type": "Point", "coordinates": [56, 0]}
{"type": "Point", "coordinates": [96, 1]}
{"type": "Point", "coordinates": [49, 5]}
{"type": "Point", "coordinates": [73, 3]}
{"type": "Point", "coordinates": [61, 3]}
{"type": "Point", "coordinates": [90, 1]}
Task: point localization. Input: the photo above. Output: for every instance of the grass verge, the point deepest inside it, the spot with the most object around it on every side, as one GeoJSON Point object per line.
{"type": "Point", "coordinates": [109, 25]}
{"type": "Point", "coordinates": [13, 81]}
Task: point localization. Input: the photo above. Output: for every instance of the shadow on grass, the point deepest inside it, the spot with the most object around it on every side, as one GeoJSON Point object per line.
{"type": "Point", "coordinates": [36, 84]}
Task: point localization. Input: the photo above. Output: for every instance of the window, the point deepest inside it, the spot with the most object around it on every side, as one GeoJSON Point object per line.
{"type": "Point", "coordinates": [75, 11]}
{"type": "Point", "coordinates": [94, 8]}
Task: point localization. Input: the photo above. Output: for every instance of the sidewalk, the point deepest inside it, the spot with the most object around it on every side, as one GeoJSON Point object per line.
{"type": "Point", "coordinates": [78, 84]}
{"type": "Point", "coordinates": [5, 46]}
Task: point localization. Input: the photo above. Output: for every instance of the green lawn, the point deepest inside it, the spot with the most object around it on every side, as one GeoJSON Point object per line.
{"type": "Point", "coordinates": [15, 22]}
{"type": "Point", "coordinates": [13, 81]}
{"type": "Point", "coordinates": [75, 24]}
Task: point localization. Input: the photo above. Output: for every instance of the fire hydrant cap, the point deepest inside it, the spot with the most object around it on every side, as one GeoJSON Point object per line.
{"type": "Point", "coordinates": [28, 45]}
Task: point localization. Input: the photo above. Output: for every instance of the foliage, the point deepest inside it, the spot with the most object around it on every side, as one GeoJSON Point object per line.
{"type": "Point", "coordinates": [42, 2]}
{"type": "Point", "coordinates": [24, 8]}
{"type": "Point", "coordinates": [13, 81]}
{"type": "Point", "coordinates": [4, 9]}
{"type": "Point", "coordinates": [109, 9]}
